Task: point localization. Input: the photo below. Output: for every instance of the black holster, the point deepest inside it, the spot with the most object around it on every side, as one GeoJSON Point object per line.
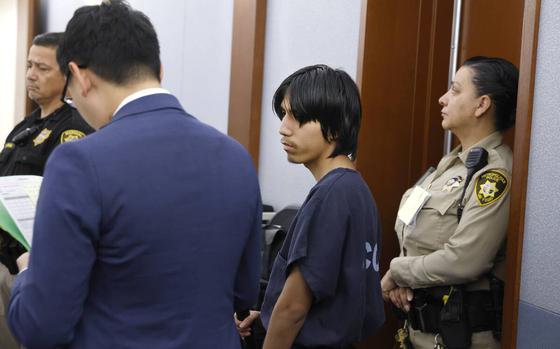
{"type": "Point", "coordinates": [429, 314]}
{"type": "Point", "coordinates": [423, 314]}
{"type": "Point", "coordinates": [497, 292]}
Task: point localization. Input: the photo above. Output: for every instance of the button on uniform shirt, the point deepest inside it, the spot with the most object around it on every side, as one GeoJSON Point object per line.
{"type": "Point", "coordinates": [436, 249]}
{"type": "Point", "coordinates": [28, 155]}
{"type": "Point", "coordinates": [334, 239]}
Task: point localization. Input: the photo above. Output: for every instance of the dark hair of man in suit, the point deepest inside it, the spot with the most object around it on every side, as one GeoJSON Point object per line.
{"type": "Point", "coordinates": [120, 45]}
{"type": "Point", "coordinates": [329, 96]}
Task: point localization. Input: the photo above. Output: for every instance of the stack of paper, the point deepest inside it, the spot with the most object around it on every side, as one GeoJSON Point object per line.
{"type": "Point", "coordinates": [18, 201]}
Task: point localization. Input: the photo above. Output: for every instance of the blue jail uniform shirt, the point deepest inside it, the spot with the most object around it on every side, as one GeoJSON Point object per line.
{"type": "Point", "coordinates": [335, 241]}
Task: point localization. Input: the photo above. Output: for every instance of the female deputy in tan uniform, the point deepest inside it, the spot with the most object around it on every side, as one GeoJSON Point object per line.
{"type": "Point", "coordinates": [447, 276]}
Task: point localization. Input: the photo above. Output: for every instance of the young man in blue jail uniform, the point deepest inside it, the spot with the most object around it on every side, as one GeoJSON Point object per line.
{"type": "Point", "coordinates": [147, 233]}
{"type": "Point", "coordinates": [324, 289]}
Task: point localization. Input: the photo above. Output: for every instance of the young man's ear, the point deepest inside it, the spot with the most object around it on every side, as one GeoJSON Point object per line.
{"type": "Point", "coordinates": [82, 77]}
{"type": "Point", "coordinates": [484, 104]}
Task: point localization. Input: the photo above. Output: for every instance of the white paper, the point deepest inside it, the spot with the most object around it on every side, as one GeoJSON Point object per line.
{"type": "Point", "coordinates": [19, 196]}
{"type": "Point", "coordinates": [407, 213]}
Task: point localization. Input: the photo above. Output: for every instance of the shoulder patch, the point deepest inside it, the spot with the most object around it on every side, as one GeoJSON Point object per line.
{"type": "Point", "coordinates": [490, 187]}
{"type": "Point", "coordinates": [71, 135]}
{"type": "Point", "coordinates": [9, 145]}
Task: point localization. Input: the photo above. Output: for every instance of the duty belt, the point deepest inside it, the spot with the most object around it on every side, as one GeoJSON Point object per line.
{"type": "Point", "coordinates": [424, 314]}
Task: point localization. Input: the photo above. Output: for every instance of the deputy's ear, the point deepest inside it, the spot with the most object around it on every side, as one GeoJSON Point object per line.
{"type": "Point", "coordinates": [484, 104]}
{"type": "Point", "coordinates": [82, 77]}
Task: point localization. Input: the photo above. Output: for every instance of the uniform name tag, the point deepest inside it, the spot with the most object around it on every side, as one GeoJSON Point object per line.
{"type": "Point", "coordinates": [416, 200]}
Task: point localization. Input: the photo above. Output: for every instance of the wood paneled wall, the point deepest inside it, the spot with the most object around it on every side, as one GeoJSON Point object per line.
{"type": "Point", "coordinates": [403, 72]}
{"type": "Point", "coordinates": [492, 28]}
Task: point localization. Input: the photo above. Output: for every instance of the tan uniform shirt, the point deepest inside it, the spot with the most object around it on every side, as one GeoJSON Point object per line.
{"type": "Point", "coordinates": [437, 250]}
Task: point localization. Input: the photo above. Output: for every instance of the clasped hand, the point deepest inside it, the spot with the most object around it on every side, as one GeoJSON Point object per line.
{"type": "Point", "coordinates": [399, 296]}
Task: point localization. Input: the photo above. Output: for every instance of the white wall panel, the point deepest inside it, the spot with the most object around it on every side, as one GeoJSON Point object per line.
{"type": "Point", "coordinates": [8, 26]}
{"type": "Point", "coordinates": [195, 43]}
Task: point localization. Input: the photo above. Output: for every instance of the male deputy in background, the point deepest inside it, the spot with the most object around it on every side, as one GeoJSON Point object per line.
{"type": "Point", "coordinates": [30, 143]}
{"type": "Point", "coordinates": [147, 232]}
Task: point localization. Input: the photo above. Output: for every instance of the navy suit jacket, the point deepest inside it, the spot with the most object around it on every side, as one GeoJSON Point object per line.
{"type": "Point", "coordinates": [146, 236]}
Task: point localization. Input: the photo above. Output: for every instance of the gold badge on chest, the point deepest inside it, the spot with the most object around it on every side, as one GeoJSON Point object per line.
{"type": "Point", "coordinates": [453, 183]}
{"type": "Point", "coordinates": [42, 137]}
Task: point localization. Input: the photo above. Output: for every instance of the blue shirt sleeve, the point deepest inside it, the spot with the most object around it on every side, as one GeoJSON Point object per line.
{"type": "Point", "coordinates": [318, 241]}
{"type": "Point", "coordinates": [47, 299]}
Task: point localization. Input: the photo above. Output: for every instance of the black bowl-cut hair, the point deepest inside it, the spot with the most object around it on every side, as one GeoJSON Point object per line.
{"type": "Point", "coordinates": [329, 96]}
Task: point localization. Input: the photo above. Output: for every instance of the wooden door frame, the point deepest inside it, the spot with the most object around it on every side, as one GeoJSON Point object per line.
{"type": "Point", "coordinates": [29, 24]}
{"type": "Point", "coordinates": [402, 70]}
{"type": "Point", "coordinates": [28, 27]}
{"type": "Point", "coordinates": [524, 117]}
{"type": "Point", "coordinates": [247, 65]}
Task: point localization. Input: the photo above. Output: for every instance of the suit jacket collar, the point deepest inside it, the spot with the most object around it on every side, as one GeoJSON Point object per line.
{"type": "Point", "coordinates": [148, 103]}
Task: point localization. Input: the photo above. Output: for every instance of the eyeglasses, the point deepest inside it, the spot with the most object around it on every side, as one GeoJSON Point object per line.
{"type": "Point", "coordinates": [65, 98]}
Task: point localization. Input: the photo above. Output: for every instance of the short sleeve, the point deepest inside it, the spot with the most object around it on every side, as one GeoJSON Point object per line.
{"type": "Point", "coordinates": [318, 242]}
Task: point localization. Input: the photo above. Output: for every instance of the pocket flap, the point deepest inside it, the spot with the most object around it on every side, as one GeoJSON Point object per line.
{"type": "Point", "coordinates": [440, 204]}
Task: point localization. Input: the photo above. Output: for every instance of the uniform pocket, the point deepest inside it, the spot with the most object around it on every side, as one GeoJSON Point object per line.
{"type": "Point", "coordinates": [442, 206]}
{"type": "Point", "coordinates": [29, 164]}
{"type": "Point", "coordinates": [443, 213]}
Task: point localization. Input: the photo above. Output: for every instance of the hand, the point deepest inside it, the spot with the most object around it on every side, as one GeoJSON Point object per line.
{"type": "Point", "coordinates": [244, 327]}
{"type": "Point", "coordinates": [387, 284]}
{"type": "Point", "coordinates": [23, 261]}
{"type": "Point", "coordinates": [401, 297]}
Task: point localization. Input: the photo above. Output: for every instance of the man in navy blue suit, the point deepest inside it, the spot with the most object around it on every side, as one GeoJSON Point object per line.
{"type": "Point", "coordinates": [147, 232]}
